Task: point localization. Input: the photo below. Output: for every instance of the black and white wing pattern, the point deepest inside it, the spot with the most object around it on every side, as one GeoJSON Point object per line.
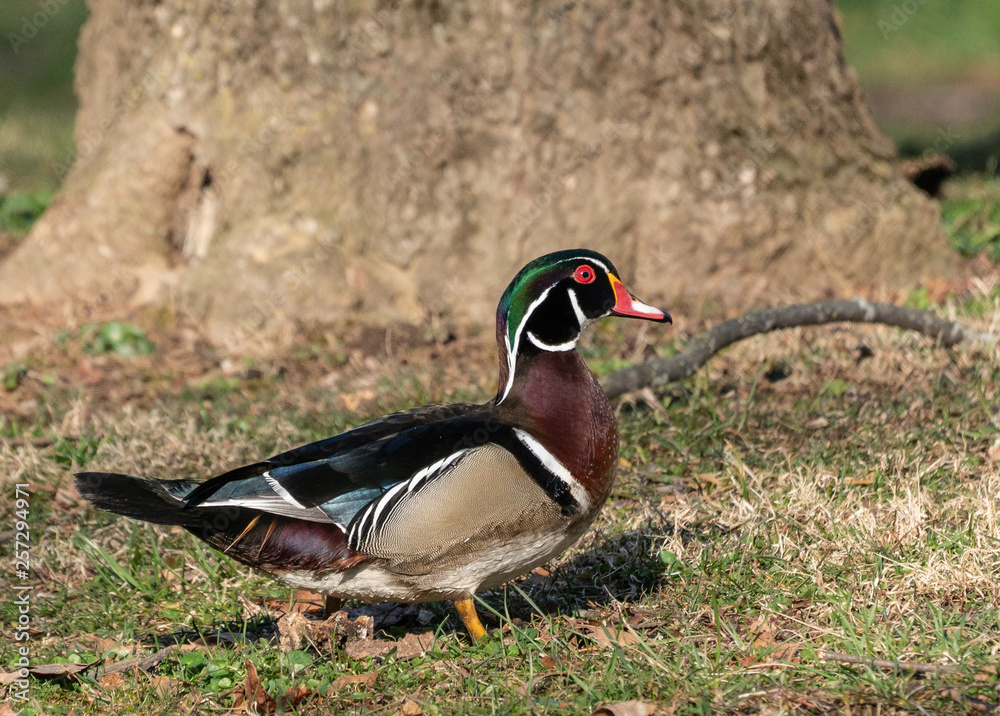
{"type": "Point", "coordinates": [333, 479]}
{"type": "Point", "coordinates": [410, 484]}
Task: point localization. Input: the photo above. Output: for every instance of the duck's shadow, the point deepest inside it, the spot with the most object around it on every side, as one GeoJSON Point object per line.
{"type": "Point", "coordinates": [607, 568]}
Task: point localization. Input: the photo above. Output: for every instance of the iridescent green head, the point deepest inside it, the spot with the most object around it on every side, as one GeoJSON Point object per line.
{"type": "Point", "coordinates": [556, 296]}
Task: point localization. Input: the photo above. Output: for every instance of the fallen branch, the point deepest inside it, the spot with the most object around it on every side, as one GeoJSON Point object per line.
{"type": "Point", "coordinates": [856, 310]}
{"type": "Point", "coordinates": [143, 662]}
{"type": "Point", "coordinates": [913, 666]}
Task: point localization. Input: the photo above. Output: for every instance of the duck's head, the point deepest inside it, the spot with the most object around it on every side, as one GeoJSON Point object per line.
{"type": "Point", "coordinates": [552, 299]}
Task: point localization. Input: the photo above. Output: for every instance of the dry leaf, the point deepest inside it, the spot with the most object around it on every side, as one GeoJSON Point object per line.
{"type": "Point", "coordinates": [163, 685]}
{"type": "Point", "coordinates": [366, 679]}
{"type": "Point", "coordinates": [354, 634]}
{"type": "Point", "coordinates": [253, 694]}
{"type": "Point", "coordinates": [787, 651]}
{"type": "Point", "coordinates": [548, 662]}
{"type": "Point", "coordinates": [764, 639]}
{"type": "Point", "coordinates": [105, 644]}
{"type": "Point", "coordinates": [112, 681]}
{"type": "Point", "coordinates": [413, 645]}
{"type": "Point", "coordinates": [406, 648]}
{"type": "Point", "coordinates": [817, 423]}
{"type": "Point", "coordinates": [362, 649]}
{"type": "Point", "coordinates": [607, 638]}
{"type": "Point", "coordinates": [409, 708]}
{"type": "Point", "coordinates": [65, 499]}
{"type": "Point", "coordinates": [250, 609]}
{"type": "Point", "coordinates": [994, 452]}
{"type": "Point", "coordinates": [986, 674]}
{"type": "Point", "coordinates": [650, 399]}
{"type": "Point", "coordinates": [7, 710]}
{"type": "Point", "coordinates": [626, 708]}
{"type": "Point", "coordinates": [8, 677]}
{"type": "Point", "coordinates": [296, 694]}
{"type": "Point", "coordinates": [352, 401]}
{"type": "Point", "coordinates": [295, 630]}
{"type": "Point", "coordinates": [707, 478]}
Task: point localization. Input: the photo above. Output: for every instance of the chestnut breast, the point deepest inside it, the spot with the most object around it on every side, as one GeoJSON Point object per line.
{"type": "Point", "coordinates": [559, 401]}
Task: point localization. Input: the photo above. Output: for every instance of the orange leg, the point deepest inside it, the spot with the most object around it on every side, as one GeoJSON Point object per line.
{"type": "Point", "coordinates": [467, 610]}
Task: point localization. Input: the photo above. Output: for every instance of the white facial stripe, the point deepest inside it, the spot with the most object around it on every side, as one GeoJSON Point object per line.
{"type": "Point", "coordinates": [567, 346]}
{"type": "Point", "coordinates": [577, 310]}
{"type": "Point", "coordinates": [586, 258]}
{"type": "Point", "coordinates": [512, 349]}
{"type": "Point", "coordinates": [553, 465]}
{"type": "Point", "coordinates": [282, 492]}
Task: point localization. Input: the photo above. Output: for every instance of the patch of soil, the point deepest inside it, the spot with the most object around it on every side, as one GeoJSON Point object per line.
{"type": "Point", "coordinates": [8, 242]}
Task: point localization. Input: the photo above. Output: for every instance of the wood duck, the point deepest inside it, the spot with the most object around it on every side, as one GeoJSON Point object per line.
{"type": "Point", "coordinates": [438, 502]}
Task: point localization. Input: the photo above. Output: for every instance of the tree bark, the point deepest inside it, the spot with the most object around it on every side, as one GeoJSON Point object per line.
{"type": "Point", "coordinates": [264, 163]}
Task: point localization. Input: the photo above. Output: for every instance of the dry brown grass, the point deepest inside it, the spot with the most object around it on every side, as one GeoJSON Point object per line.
{"type": "Point", "coordinates": [851, 507]}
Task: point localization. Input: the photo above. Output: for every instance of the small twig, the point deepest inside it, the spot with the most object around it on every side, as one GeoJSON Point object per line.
{"type": "Point", "coordinates": [856, 310]}
{"type": "Point", "coordinates": [143, 662]}
{"type": "Point", "coordinates": [914, 666]}
{"type": "Point", "coordinates": [46, 441]}
{"type": "Point", "coordinates": [34, 442]}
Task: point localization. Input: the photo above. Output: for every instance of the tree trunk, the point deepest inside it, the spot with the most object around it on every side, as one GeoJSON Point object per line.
{"type": "Point", "coordinates": [267, 162]}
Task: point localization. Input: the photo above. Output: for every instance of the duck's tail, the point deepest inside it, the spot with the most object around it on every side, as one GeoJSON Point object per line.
{"type": "Point", "coordinates": [142, 498]}
{"type": "Point", "coordinates": [275, 543]}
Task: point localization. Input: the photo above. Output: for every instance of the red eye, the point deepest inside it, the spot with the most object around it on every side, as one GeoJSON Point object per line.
{"type": "Point", "coordinates": [584, 274]}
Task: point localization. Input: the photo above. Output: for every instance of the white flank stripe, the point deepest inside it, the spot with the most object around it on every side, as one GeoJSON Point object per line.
{"type": "Point", "coordinates": [383, 501]}
{"type": "Point", "coordinates": [441, 464]}
{"type": "Point", "coordinates": [553, 465]}
{"type": "Point", "coordinates": [359, 534]}
{"type": "Point", "coordinates": [373, 513]}
{"type": "Point", "coordinates": [282, 492]}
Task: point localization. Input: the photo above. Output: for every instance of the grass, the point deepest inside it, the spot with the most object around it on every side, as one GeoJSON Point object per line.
{"type": "Point", "coordinates": [923, 46]}
{"type": "Point", "coordinates": [920, 43]}
{"type": "Point", "coordinates": [37, 105]}
{"type": "Point", "coordinates": [789, 500]}
{"type": "Point", "coordinates": [846, 507]}
{"type": "Point", "coordinates": [971, 214]}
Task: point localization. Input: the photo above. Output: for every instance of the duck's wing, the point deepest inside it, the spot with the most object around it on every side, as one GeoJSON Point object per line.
{"type": "Point", "coordinates": [332, 479]}
{"type": "Point", "coordinates": [414, 489]}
